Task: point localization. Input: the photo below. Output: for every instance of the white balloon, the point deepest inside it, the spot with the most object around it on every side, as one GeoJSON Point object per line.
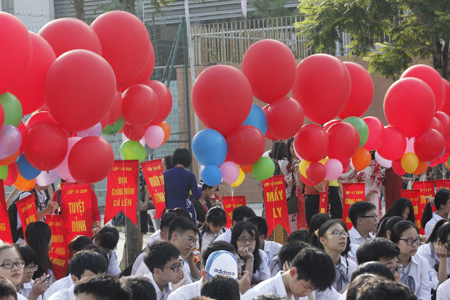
{"type": "Point", "coordinates": [382, 161]}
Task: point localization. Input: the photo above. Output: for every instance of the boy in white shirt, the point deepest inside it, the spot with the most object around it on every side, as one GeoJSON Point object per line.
{"type": "Point", "coordinates": [240, 214]}
{"type": "Point", "coordinates": [102, 287]}
{"type": "Point", "coordinates": [364, 218]}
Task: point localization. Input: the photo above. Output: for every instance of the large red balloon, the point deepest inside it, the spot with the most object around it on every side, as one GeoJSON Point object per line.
{"type": "Point", "coordinates": [362, 91]}
{"type": "Point", "coordinates": [344, 141]}
{"type": "Point", "coordinates": [284, 118]}
{"type": "Point", "coordinates": [322, 96]}
{"type": "Point", "coordinates": [15, 51]}
{"type": "Point", "coordinates": [432, 78]}
{"type": "Point", "coordinates": [145, 74]}
{"type": "Point", "coordinates": [13, 171]}
{"type": "Point", "coordinates": [65, 34]}
{"type": "Point", "coordinates": [270, 67]}
{"type": "Point", "coordinates": [45, 145]}
{"type": "Point", "coordinates": [39, 117]}
{"type": "Point", "coordinates": [269, 134]}
{"type": "Point", "coordinates": [376, 133]}
{"type": "Point", "coordinates": [446, 107]}
{"type": "Point", "coordinates": [429, 144]}
{"type": "Point", "coordinates": [397, 167]}
{"type": "Point", "coordinates": [91, 160]}
{"type": "Point", "coordinates": [436, 124]}
{"type": "Point", "coordinates": [164, 100]}
{"type": "Point", "coordinates": [246, 145]}
{"type": "Point", "coordinates": [80, 89]}
{"type": "Point", "coordinates": [311, 142]}
{"type": "Point", "coordinates": [133, 132]}
{"type": "Point", "coordinates": [445, 121]}
{"type": "Point", "coordinates": [307, 181]}
{"type": "Point", "coordinates": [222, 98]}
{"type": "Point", "coordinates": [116, 109]}
{"type": "Point", "coordinates": [393, 145]}
{"type": "Point", "coordinates": [316, 172]}
{"type": "Point", "coordinates": [140, 105]}
{"type": "Point", "coordinates": [30, 90]}
{"type": "Point", "coordinates": [409, 106]}
{"type": "Point", "coordinates": [125, 43]}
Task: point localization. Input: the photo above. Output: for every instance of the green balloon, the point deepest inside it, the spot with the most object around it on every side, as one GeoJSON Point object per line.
{"type": "Point", "coordinates": [13, 109]}
{"type": "Point", "coordinates": [361, 127]}
{"type": "Point", "coordinates": [132, 150]}
{"type": "Point", "coordinates": [3, 172]}
{"type": "Point", "coordinates": [114, 128]}
{"type": "Point", "coordinates": [263, 168]}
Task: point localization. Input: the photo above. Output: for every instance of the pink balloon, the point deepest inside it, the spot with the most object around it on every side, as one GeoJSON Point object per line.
{"type": "Point", "coordinates": [333, 169]}
{"type": "Point", "coordinates": [95, 130]}
{"type": "Point", "coordinates": [230, 171]}
{"type": "Point", "coordinates": [63, 168]}
{"type": "Point", "coordinates": [154, 136]}
{"type": "Point", "coordinates": [382, 161]}
{"type": "Point", "coordinates": [46, 177]}
{"type": "Point", "coordinates": [410, 145]}
{"type": "Point", "coordinates": [10, 140]}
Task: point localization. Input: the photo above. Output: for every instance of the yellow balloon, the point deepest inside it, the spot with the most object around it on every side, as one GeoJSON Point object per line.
{"type": "Point", "coordinates": [410, 162]}
{"type": "Point", "coordinates": [323, 161]}
{"type": "Point", "coordinates": [302, 167]}
{"type": "Point", "coordinates": [240, 179]}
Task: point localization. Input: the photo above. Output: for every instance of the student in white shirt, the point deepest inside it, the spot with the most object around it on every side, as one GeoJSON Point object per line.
{"type": "Point", "coordinates": [430, 218]}
{"type": "Point", "coordinates": [271, 248]}
{"type": "Point", "coordinates": [287, 253]}
{"type": "Point", "coordinates": [364, 218]}
{"type": "Point", "coordinates": [443, 292]}
{"type": "Point", "coordinates": [415, 269]}
{"type": "Point", "coordinates": [107, 238]}
{"type": "Point", "coordinates": [215, 221]}
{"type": "Point", "coordinates": [140, 286]}
{"type": "Point", "coordinates": [221, 287]}
{"type": "Point", "coordinates": [240, 214]}
{"type": "Point", "coordinates": [101, 287]}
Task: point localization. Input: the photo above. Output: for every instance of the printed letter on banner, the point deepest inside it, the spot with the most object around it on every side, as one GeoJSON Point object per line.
{"type": "Point", "coordinates": [352, 193]}
{"type": "Point", "coordinates": [154, 177]}
{"type": "Point", "coordinates": [426, 190]}
{"type": "Point", "coordinates": [76, 210]}
{"type": "Point", "coordinates": [414, 197]}
{"type": "Point", "coordinates": [122, 188]}
{"type": "Point", "coordinates": [27, 211]}
{"type": "Point", "coordinates": [443, 184]}
{"type": "Point", "coordinates": [58, 253]}
{"type": "Point", "coordinates": [229, 204]}
{"type": "Point", "coordinates": [323, 208]}
{"type": "Point", "coordinates": [275, 203]}
{"type": "Point", "coordinates": [5, 229]}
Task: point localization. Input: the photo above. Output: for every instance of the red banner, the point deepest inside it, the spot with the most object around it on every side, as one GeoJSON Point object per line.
{"type": "Point", "coordinates": [323, 208]}
{"type": "Point", "coordinates": [414, 197]}
{"type": "Point", "coordinates": [5, 229]}
{"type": "Point", "coordinates": [58, 253]}
{"type": "Point", "coordinates": [121, 194]}
{"type": "Point", "coordinates": [426, 190]}
{"type": "Point", "coordinates": [229, 204]}
{"type": "Point", "coordinates": [27, 211]}
{"type": "Point", "coordinates": [352, 193]}
{"type": "Point", "coordinates": [154, 177]}
{"type": "Point", "coordinates": [76, 210]}
{"type": "Point", "coordinates": [275, 203]}
{"type": "Point", "coordinates": [443, 184]}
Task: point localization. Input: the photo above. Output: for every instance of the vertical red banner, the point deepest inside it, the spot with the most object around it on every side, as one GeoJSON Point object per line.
{"type": "Point", "coordinates": [426, 190]}
{"type": "Point", "coordinates": [229, 204]}
{"type": "Point", "coordinates": [121, 193]}
{"type": "Point", "coordinates": [76, 210]}
{"type": "Point", "coordinates": [5, 229]}
{"type": "Point", "coordinates": [58, 253]}
{"type": "Point", "coordinates": [27, 211]}
{"type": "Point", "coordinates": [275, 203]}
{"type": "Point", "coordinates": [443, 184]}
{"type": "Point", "coordinates": [352, 193]}
{"type": "Point", "coordinates": [323, 207]}
{"type": "Point", "coordinates": [154, 177]}
{"type": "Point", "coordinates": [414, 197]}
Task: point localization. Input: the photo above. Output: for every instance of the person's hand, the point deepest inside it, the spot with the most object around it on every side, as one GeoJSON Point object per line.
{"type": "Point", "coordinates": [180, 283]}
{"type": "Point", "coordinates": [96, 229]}
{"type": "Point", "coordinates": [52, 206]}
{"type": "Point", "coordinates": [441, 251]}
{"type": "Point", "coordinates": [244, 253]}
{"type": "Point", "coordinates": [40, 286]}
{"type": "Point", "coordinates": [190, 257]}
{"type": "Point", "coordinates": [245, 282]}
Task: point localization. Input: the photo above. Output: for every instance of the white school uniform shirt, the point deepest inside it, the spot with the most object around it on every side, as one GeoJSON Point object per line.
{"type": "Point", "coordinates": [355, 241]}
{"type": "Point", "coordinates": [271, 248]}
{"type": "Point", "coordinates": [419, 270]}
{"type": "Point", "coordinates": [137, 263]}
{"type": "Point", "coordinates": [347, 267]}
{"type": "Point", "coordinates": [20, 297]}
{"type": "Point", "coordinates": [63, 283]}
{"type": "Point", "coordinates": [343, 296]}
{"type": "Point", "coordinates": [328, 294]}
{"type": "Point", "coordinates": [187, 291]}
{"type": "Point", "coordinates": [65, 294]}
{"type": "Point", "coordinates": [207, 239]}
{"type": "Point", "coordinates": [226, 236]}
{"type": "Point", "coordinates": [425, 252]}
{"type": "Point", "coordinates": [264, 271]}
{"type": "Point", "coordinates": [160, 295]}
{"type": "Point", "coordinates": [113, 266]}
{"type": "Point", "coordinates": [443, 292]}
{"type": "Point", "coordinates": [154, 237]}
{"type": "Point", "coordinates": [431, 223]}
{"type": "Point", "coordinates": [26, 288]}
{"type": "Point", "coordinates": [144, 271]}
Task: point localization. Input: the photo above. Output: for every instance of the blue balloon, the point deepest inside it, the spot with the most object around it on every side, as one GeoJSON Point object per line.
{"type": "Point", "coordinates": [209, 147]}
{"type": "Point", "coordinates": [211, 175]}
{"type": "Point", "coordinates": [26, 169]}
{"type": "Point", "coordinates": [257, 118]}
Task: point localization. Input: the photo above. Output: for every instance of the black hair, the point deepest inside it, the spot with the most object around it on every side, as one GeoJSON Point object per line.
{"type": "Point", "coordinates": [107, 237]}
{"type": "Point", "coordinates": [140, 287]}
{"type": "Point", "coordinates": [241, 212]}
{"type": "Point", "coordinates": [79, 242]}
{"type": "Point", "coordinates": [376, 287]}
{"type": "Point", "coordinates": [288, 145]}
{"type": "Point", "coordinates": [159, 254]}
{"type": "Point", "coordinates": [279, 151]}
{"type": "Point", "coordinates": [315, 240]}
{"type": "Point", "coordinates": [7, 289]}
{"type": "Point", "coordinates": [87, 260]}
{"type": "Point", "coordinates": [181, 225]}
{"type": "Point", "coordinates": [261, 225]}
{"type": "Point", "coordinates": [397, 210]}
{"type": "Point", "coordinates": [387, 224]}
{"type": "Point", "coordinates": [181, 212]}
{"type": "Point", "coordinates": [166, 218]}
{"type": "Point", "coordinates": [441, 231]}
{"type": "Point", "coordinates": [99, 250]}
{"type": "Point", "coordinates": [316, 221]}
{"type": "Point", "coordinates": [289, 250]}
{"type": "Point", "coordinates": [358, 210]}
{"type": "Point", "coordinates": [314, 265]}
{"type": "Point", "coordinates": [215, 216]}
{"type": "Point", "coordinates": [301, 235]}
{"type": "Point", "coordinates": [168, 162]}
{"type": "Point", "coordinates": [38, 235]}
{"type": "Point", "coordinates": [217, 246]}
{"type": "Point", "coordinates": [103, 287]}
{"type": "Point", "coordinates": [205, 186]}
{"type": "Point", "coordinates": [27, 253]}
{"type": "Point", "coordinates": [375, 249]}
{"type": "Point", "coordinates": [373, 267]}
{"type": "Point", "coordinates": [441, 198]}
{"type": "Point", "coordinates": [182, 156]}
{"type": "Point", "coordinates": [399, 228]}
{"type": "Point", "coordinates": [221, 287]}
{"type": "Point", "coordinates": [251, 229]}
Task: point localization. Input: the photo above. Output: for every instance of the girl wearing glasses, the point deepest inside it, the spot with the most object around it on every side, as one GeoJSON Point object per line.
{"type": "Point", "coordinates": [11, 266]}
{"type": "Point", "coordinates": [415, 273]}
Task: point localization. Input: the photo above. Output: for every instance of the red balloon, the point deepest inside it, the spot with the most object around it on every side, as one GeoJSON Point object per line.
{"type": "Point", "coordinates": [13, 171]}
{"type": "Point", "coordinates": [23, 131]}
{"type": "Point", "coordinates": [322, 97]}
{"type": "Point", "coordinates": [344, 141]}
{"type": "Point", "coordinates": [16, 51]}
{"type": "Point", "coordinates": [145, 74]}
{"type": "Point", "coordinates": [311, 142]}
{"type": "Point", "coordinates": [316, 172]}
{"type": "Point", "coordinates": [445, 121]}
{"type": "Point", "coordinates": [39, 117]}
{"type": "Point", "coordinates": [125, 43]}
{"type": "Point", "coordinates": [270, 67]}
{"type": "Point", "coordinates": [409, 106]}
{"type": "Point", "coordinates": [307, 181]}
{"type": "Point", "coordinates": [376, 133]}
{"type": "Point", "coordinates": [222, 98]}
{"type": "Point", "coordinates": [434, 163]}
{"type": "Point", "coordinates": [285, 118]}
{"type": "Point", "coordinates": [436, 124]}
{"type": "Point", "coordinates": [80, 89]}
{"type": "Point", "coordinates": [397, 167]}
{"type": "Point", "coordinates": [116, 109]}
{"type": "Point", "coordinates": [91, 160]}
{"type": "Point", "coordinates": [140, 105]}
{"type": "Point", "coordinates": [133, 132]}
{"type": "Point", "coordinates": [362, 91]}
{"type": "Point", "coordinates": [269, 134]}
{"type": "Point", "coordinates": [432, 78]}
{"type": "Point", "coordinates": [443, 159]}
{"type": "Point", "coordinates": [45, 145]}
{"type": "Point", "coordinates": [105, 120]}
{"type": "Point", "coordinates": [345, 164]}
{"type": "Point", "coordinates": [164, 99]}
{"type": "Point", "coordinates": [2, 117]}
{"type": "Point", "coordinates": [446, 106]}
{"type": "Point", "coordinates": [393, 145]}
{"type": "Point", "coordinates": [246, 145]}
{"type": "Point", "coordinates": [327, 125]}
{"type": "Point", "coordinates": [447, 146]}
{"type": "Point", "coordinates": [429, 144]}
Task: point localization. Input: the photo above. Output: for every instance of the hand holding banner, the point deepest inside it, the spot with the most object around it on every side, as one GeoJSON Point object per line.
{"type": "Point", "coordinates": [5, 229]}
{"type": "Point", "coordinates": [275, 203]}
{"type": "Point", "coordinates": [58, 253]}
{"type": "Point", "coordinates": [229, 204]}
{"type": "Point", "coordinates": [352, 193]}
{"type": "Point", "coordinates": [154, 177]}
{"type": "Point", "coordinates": [27, 211]}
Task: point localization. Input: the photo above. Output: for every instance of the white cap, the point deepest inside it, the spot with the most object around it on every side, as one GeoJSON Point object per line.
{"type": "Point", "coordinates": [223, 263]}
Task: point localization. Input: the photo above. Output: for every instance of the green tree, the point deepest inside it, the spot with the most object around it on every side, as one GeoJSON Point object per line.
{"type": "Point", "coordinates": [390, 34]}
{"type": "Point", "coordinates": [270, 9]}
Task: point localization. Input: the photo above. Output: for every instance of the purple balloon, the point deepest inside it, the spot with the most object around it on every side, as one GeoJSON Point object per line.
{"type": "Point", "coordinates": [230, 171]}
{"type": "Point", "coordinates": [95, 130]}
{"type": "Point", "coordinates": [10, 140]}
{"type": "Point", "coordinates": [46, 178]}
{"type": "Point", "coordinates": [333, 169]}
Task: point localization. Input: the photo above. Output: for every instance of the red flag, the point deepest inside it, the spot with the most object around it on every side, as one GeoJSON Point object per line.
{"type": "Point", "coordinates": [154, 177]}
{"type": "Point", "coordinates": [275, 203]}
{"type": "Point", "coordinates": [323, 208]}
{"type": "Point", "coordinates": [5, 229]}
{"type": "Point", "coordinates": [352, 193]}
{"type": "Point", "coordinates": [27, 211]}
{"type": "Point", "coordinates": [229, 204]}
{"type": "Point", "coordinates": [121, 193]}
{"type": "Point", "coordinates": [443, 184]}
{"type": "Point", "coordinates": [414, 197]}
{"type": "Point", "coordinates": [58, 253]}
{"type": "Point", "coordinates": [426, 190]}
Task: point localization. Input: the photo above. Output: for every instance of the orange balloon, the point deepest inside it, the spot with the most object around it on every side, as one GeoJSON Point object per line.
{"type": "Point", "coordinates": [361, 159]}
{"type": "Point", "coordinates": [166, 129]}
{"type": "Point", "coordinates": [247, 169]}
{"type": "Point", "coordinates": [23, 184]}
{"type": "Point", "coordinates": [11, 159]}
{"type": "Point", "coordinates": [423, 166]}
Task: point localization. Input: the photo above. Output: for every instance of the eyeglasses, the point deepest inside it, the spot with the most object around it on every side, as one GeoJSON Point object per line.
{"type": "Point", "coordinates": [399, 269]}
{"type": "Point", "coordinates": [190, 239]}
{"type": "Point", "coordinates": [337, 233]}
{"type": "Point", "coordinates": [176, 268]}
{"type": "Point", "coordinates": [374, 217]}
{"type": "Point", "coordinates": [10, 264]}
{"type": "Point", "coordinates": [244, 240]}
{"type": "Point", "coordinates": [410, 242]}
{"type": "Point", "coordinates": [31, 269]}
